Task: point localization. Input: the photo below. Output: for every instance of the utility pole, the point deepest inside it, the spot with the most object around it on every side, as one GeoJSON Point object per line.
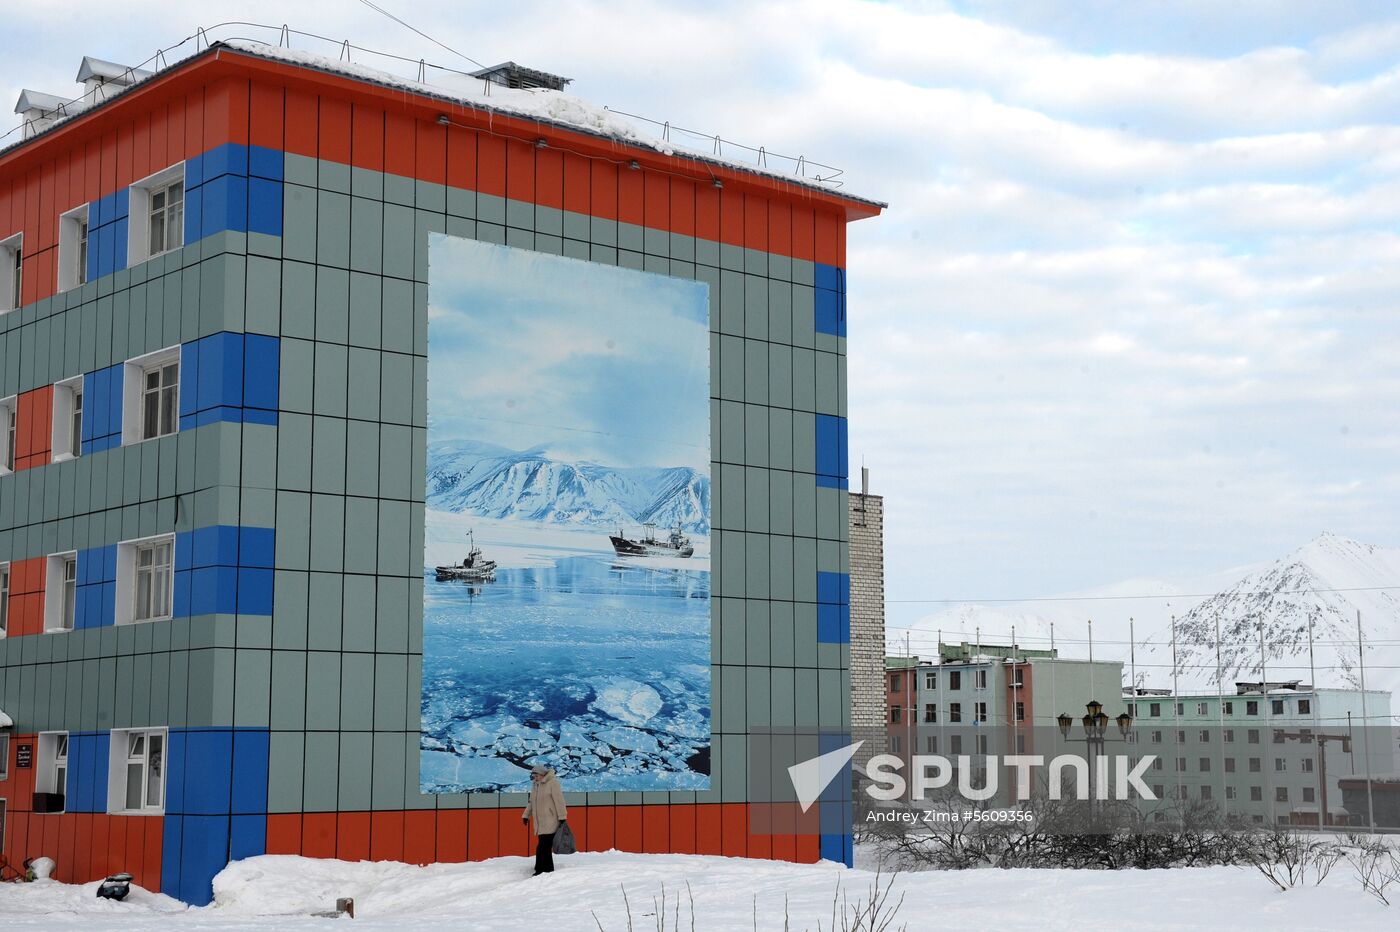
{"type": "Point", "coordinates": [1365, 723]}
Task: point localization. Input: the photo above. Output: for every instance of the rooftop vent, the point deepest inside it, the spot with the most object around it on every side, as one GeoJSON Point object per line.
{"type": "Point", "coordinates": [38, 111]}
{"type": "Point", "coordinates": [509, 74]}
{"type": "Point", "coordinates": [100, 78]}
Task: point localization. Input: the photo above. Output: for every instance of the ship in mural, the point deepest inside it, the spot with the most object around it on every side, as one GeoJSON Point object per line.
{"type": "Point", "coordinates": [473, 568]}
{"type": "Point", "coordinates": [674, 544]}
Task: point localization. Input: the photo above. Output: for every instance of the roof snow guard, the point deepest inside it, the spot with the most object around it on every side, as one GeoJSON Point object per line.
{"type": "Point", "coordinates": [509, 74]}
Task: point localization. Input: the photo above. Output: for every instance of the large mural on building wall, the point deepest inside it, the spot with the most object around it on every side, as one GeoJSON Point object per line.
{"type": "Point", "coordinates": [566, 600]}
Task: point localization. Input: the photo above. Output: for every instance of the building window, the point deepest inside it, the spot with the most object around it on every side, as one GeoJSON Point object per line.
{"type": "Point", "coordinates": [1229, 765]}
{"type": "Point", "coordinates": [1157, 763]}
{"type": "Point", "coordinates": [138, 771]}
{"type": "Point", "coordinates": [1018, 676]}
{"type": "Point", "coordinates": [1230, 792]}
{"type": "Point", "coordinates": [1280, 794]}
{"type": "Point", "coordinates": [1181, 765]}
{"type": "Point", "coordinates": [167, 218]}
{"type": "Point", "coordinates": [1256, 794]}
{"type": "Point", "coordinates": [1202, 708]}
{"type": "Point", "coordinates": [4, 603]}
{"type": "Point", "coordinates": [1203, 735]}
{"type": "Point", "coordinates": [1132, 709]}
{"type": "Point", "coordinates": [930, 712]}
{"type": "Point", "coordinates": [51, 775]}
{"type": "Point", "coordinates": [11, 272]}
{"type": "Point", "coordinates": [981, 744]}
{"type": "Point", "coordinates": [896, 682]}
{"type": "Point", "coordinates": [1205, 765]}
{"type": "Point", "coordinates": [1229, 708]}
{"type": "Point", "coordinates": [955, 712]}
{"type": "Point", "coordinates": [157, 212]}
{"type": "Point", "coordinates": [61, 592]}
{"type": "Point", "coordinates": [1251, 707]}
{"type": "Point", "coordinates": [1308, 794]}
{"type": "Point", "coordinates": [9, 413]}
{"type": "Point", "coordinates": [67, 436]}
{"type": "Point", "coordinates": [930, 681]}
{"type": "Point", "coordinates": [1154, 709]}
{"type": "Point", "coordinates": [159, 384]}
{"type": "Point", "coordinates": [894, 715]}
{"type": "Point", "coordinates": [895, 744]}
{"type": "Point", "coordinates": [980, 711]}
{"type": "Point", "coordinates": [931, 744]}
{"type": "Point", "coordinates": [955, 744]}
{"type": "Point", "coordinates": [1181, 736]}
{"type": "Point", "coordinates": [1156, 737]}
{"type": "Point", "coordinates": [4, 759]}
{"type": "Point", "coordinates": [955, 679]}
{"type": "Point", "coordinates": [1276, 706]}
{"type": "Point", "coordinates": [981, 678]}
{"type": "Point", "coordinates": [1307, 765]}
{"type": "Point", "coordinates": [1205, 792]}
{"type": "Point", "coordinates": [1020, 711]}
{"type": "Point", "coordinates": [1020, 744]}
{"type": "Point", "coordinates": [152, 573]}
{"type": "Point", "coordinates": [73, 248]}
{"type": "Point", "coordinates": [1229, 735]}
{"type": "Point", "coordinates": [1256, 765]}
{"type": "Point", "coordinates": [1253, 736]}
{"type": "Point", "coordinates": [1280, 765]}
{"type": "Point", "coordinates": [1304, 706]}
{"type": "Point", "coordinates": [151, 396]}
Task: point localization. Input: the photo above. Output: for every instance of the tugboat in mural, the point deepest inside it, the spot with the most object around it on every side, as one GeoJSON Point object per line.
{"type": "Point", "coordinates": [674, 544]}
{"type": "Point", "coordinates": [474, 568]}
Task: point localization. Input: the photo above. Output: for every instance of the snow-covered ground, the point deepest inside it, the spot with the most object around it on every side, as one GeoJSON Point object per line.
{"type": "Point", "coordinates": [278, 893]}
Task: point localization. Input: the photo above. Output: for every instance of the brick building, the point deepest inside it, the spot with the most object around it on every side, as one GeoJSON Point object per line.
{"type": "Point", "coordinates": [867, 522]}
{"type": "Point", "coordinates": [212, 369]}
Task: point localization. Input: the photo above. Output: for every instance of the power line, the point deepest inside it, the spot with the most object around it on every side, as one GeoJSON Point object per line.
{"type": "Point", "coordinates": [1109, 598]}
{"type": "Point", "coordinates": [384, 12]}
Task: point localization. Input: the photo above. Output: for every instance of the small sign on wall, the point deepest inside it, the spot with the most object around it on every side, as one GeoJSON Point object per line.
{"type": "Point", "coordinates": [24, 756]}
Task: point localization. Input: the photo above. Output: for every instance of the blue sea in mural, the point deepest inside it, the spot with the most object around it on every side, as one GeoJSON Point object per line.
{"type": "Point", "coordinates": [598, 666]}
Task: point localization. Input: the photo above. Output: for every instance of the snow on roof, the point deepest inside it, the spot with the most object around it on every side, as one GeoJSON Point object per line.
{"type": "Point", "coordinates": [109, 71]}
{"type": "Point", "coordinates": [5, 720]}
{"type": "Point", "coordinates": [49, 103]}
{"type": "Point", "coordinates": [541, 104]}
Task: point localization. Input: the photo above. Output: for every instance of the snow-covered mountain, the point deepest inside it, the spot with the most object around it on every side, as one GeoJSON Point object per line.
{"type": "Point", "coordinates": [1328, 580]}
{"type": "Point", "coordinates": [494, 482]}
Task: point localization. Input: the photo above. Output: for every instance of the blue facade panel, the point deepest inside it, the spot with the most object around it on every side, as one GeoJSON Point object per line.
{"type": "Point", "coordinates": [831, 452]}
{"type": "Point", "coordinates": [229, 377]}
{"type": "Point", "coordinates": [833, 608]}
{"type": "Point", "coordinates": [96, 589]}
{"type": "Point", "coordinates": [830, 299]}
{"type": "Point", "coordinates": [102, 409]}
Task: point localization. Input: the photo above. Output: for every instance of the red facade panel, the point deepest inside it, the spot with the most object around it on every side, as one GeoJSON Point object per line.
{"type": "Point", "coordinates": [367, 138]}
{"type": "Point", "coordinates": [420, 836]}
{"type": "Point", "coordinates": [284, 833]}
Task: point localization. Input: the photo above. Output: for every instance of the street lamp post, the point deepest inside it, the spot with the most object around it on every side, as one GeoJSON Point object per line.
{"type": "Point", "coordinates": [1095, 722]}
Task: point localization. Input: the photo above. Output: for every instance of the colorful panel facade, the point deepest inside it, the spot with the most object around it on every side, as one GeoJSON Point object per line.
{"type": "Point", "coordinates": [222, 591]}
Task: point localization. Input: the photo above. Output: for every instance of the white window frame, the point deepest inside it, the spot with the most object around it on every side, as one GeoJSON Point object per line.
{"type": "Point", "coordinates": [74, 241]}
{"type": "Point", "coordinates": [11, 277]}
{"type": "Point", "coordinates": [5, 582]}
{"type": "Point", "coordinates": [46, 774]}
{"type": "Point", "coordinates": [138, 247]}
{"type": "Point", "coordinates": [9, 423]}
{"type": "Point", "coordinates": [62, 442]}
{"type": "Point", "coordinates": [127, 572]}
{"type": "Point", "coordinates": [134, 392]}
{"type": "Point", "coordinates": [54, 591]}
{"type": "Point", "coordinates": [118, 771]}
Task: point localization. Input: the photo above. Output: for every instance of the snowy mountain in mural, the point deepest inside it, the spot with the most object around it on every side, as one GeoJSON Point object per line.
{"type": "Point", "coordinates": [493, 482]}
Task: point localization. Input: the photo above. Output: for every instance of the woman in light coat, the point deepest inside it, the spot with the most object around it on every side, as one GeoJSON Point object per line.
{"type": "Point", "coordinates": [546, 804]}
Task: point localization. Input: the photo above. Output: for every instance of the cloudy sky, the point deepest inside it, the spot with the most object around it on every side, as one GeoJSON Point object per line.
{"type": "Point", "coordinates": [578, 360]}
{"type": "Point", "coordinates": [1132, 311]}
